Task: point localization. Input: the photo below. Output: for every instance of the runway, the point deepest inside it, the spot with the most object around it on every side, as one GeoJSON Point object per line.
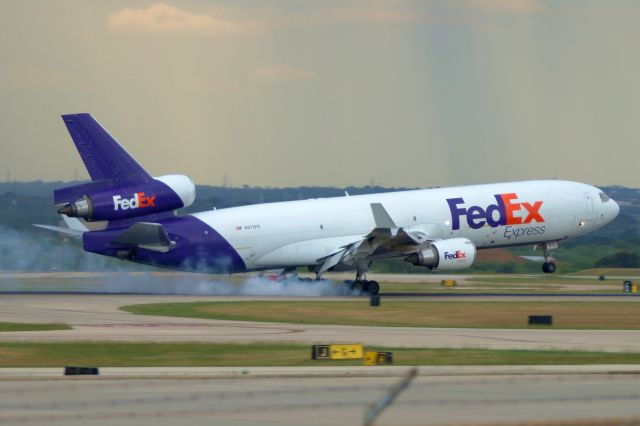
{"type": "Point", "coordinates": [97, 318]}
{"type": "Point", "coordinates": [319, 395]}
{"type": "Point", "coordinates": [323, 400]}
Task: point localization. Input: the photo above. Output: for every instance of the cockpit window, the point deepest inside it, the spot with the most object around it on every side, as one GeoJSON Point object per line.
{"type": "Point", "coordinates": [603, 197]}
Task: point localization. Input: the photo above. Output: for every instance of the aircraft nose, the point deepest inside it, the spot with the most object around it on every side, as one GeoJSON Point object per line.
{"type": "Point", "coordinates": [615, 209]}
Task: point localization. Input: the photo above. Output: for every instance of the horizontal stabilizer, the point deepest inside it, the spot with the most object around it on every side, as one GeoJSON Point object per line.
{"type": "Point", "coordinates": [61, 229]}
{"type": "Point", "coordinates": [75, 227]}
{"type": "Point", "coordinates": [145, 235]}
{"type": "Point", "coordinates": [74, 223]}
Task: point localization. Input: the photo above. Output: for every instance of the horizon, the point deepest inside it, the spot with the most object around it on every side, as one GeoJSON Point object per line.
{"type": "Point", "coordinates": [247, 186]}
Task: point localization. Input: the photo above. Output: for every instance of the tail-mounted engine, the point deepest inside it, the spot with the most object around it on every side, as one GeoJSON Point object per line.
{"type": "Point", "coordinates": [442, 255]}
{"type": "Point", "coordinates": [104, 200]}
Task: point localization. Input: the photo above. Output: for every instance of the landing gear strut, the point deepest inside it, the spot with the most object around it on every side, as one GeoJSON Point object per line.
{"type": "Point", "coordinates": [367, 286]}
{"type": "Point", "coordinates": [548, 267]}
{"type": "Point", "coordinates": [361, 282]}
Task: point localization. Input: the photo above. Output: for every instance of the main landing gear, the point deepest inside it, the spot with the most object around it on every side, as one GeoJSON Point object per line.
{"type": "Point", "coordinates": [366, 286]}
{"type": "Point", "coordinates": [361, 283]}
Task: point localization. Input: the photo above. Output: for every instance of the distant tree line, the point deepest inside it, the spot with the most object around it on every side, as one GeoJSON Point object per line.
{"type": "Point", "coordinates": [620, 259]}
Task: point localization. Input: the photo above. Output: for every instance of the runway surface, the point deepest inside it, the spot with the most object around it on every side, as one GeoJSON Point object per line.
{"type": "Point", "coordinates": [430, 400]}
{"type": "Point", "coordinates": [470, 395]}
{"type": "Point", "coordinates": [97, 318]}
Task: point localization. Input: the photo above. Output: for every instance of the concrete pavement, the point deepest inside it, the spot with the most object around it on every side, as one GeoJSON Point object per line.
{"type": "Point", "coordinates": [97, 318]}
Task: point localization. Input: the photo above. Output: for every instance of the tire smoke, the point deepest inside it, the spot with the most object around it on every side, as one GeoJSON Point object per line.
{"type": "Point", "coordinates": [42, 262]}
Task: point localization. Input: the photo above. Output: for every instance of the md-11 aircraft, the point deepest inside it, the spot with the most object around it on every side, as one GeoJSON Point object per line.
{"type": "Point", "coordinates": [126, 213]}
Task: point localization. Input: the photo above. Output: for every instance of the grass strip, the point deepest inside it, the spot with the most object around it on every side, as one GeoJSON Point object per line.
{"type": "Point", "coordinates": [613, 315]}
{"type": "Point", "coordinates": [15, 326]}
{"type": "Point", "coordinates": [254, 355]}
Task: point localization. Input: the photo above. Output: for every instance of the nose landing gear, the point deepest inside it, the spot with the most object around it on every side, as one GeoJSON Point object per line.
{"type": "Point", "coordinates": [548, 267]}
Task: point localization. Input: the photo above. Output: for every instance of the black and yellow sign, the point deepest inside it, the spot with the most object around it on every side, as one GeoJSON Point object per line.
{"type": "Point", "coordinates": [320, 352]}
{"type": "Point", "coordinates": [378, 358]}
{"type": "Point", "coordinates": [337, 352]}
{"type": "Point", "coordinates": [370, 358]}
{"type": "Point", "coordinates": [448, 283]}
{"type": "Point", "coordinates": [354, 351]}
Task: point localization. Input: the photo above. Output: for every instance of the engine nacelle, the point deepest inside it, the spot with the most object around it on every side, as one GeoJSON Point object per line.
{"type": "Point", "coordinates": [443, 255]}
{"type": "Point", "coordinates": [161, 194]}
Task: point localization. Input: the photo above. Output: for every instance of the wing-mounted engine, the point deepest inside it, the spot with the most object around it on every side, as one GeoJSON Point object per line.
{"type": "Point", "coordinates": [443, 255]}
{"type": "Point", "coordinates": [111, 200]}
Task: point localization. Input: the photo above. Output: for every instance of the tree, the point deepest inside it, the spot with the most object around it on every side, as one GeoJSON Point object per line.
{"type": "Point", "coordinates": [620, 259]}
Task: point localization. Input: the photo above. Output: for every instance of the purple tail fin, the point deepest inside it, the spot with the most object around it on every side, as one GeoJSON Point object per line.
{"type": "Point", "coordinates": [103, 157]}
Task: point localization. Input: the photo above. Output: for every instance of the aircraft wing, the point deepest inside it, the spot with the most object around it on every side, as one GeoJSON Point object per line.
{"type": "Point", "coordinates": [386, 240]}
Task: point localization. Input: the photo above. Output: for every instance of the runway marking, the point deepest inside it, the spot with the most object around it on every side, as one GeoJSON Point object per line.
{"type": "Point", "coordinates": [174, 325]}
{"type": "Point", "coordinates": [503, 338]}
{"type": "Point", "coordinates": [265, 330]}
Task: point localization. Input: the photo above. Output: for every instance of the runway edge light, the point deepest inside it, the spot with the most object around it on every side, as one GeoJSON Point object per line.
{"type": "Point", "coordinates": [81, 371]}
{"type": "Point", "coordinates": [540, 319]}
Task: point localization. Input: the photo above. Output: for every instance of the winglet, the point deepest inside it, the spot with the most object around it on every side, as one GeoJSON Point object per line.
{"type": "Point", "coordinates": [381, 217]}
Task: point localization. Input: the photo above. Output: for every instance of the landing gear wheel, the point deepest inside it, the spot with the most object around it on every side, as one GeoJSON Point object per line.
{"type": "Point", "coordinates": [548, 267]}
{"type": "Point", "coordinates": [355, 285]}
{"type": "Point", "coordinates": [371, 287]}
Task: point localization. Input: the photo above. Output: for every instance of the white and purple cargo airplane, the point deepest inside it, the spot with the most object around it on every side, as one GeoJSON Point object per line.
{"type": "Point", "coordinates": [124, 212]}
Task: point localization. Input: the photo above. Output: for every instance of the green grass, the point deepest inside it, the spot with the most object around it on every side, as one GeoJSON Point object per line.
{"type": "Point", "coordinates": [613, 315]}
{"type": "Point", "coordinates": [625, 272]}
{"type": "Point", "coordinates": [586, 283]}
{"type": "Point", "coordinates": [479, 283]}
{"type": "Point", "coordinates": [253, 355]}
{"type": "Point", "coordinates": [546, 281]}
{"type": "Point", "coordinates": [482, 285]}
{"type": "Point", "coordinates": [15, 326]}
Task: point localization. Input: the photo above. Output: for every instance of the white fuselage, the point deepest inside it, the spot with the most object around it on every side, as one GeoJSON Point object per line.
{"type": "Point", "coordinates": [299, 233]}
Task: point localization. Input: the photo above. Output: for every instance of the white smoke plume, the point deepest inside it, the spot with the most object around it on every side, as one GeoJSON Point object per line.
{"type": "Point", "coordinates": [41, 250]}
{"type": "Point", "coordinates": [195, 284]}
{"type": "Point", "coordinates": [42, 262]}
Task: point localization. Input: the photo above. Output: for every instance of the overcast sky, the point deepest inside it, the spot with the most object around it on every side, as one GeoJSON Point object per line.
{"type": "Point", "coordinates": [321, 92]}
